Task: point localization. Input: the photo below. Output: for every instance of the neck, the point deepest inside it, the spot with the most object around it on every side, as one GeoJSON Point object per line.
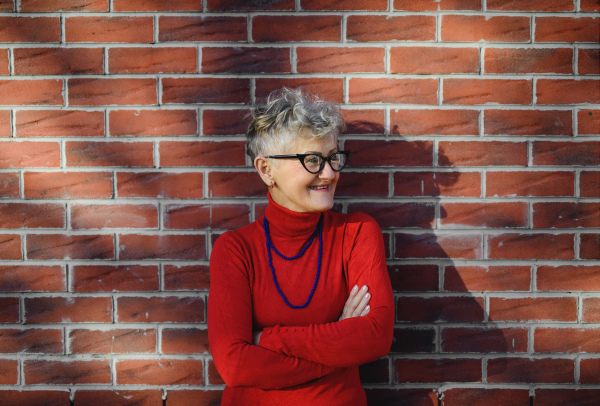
{"type": "Point", "coordinates": [284, 222]}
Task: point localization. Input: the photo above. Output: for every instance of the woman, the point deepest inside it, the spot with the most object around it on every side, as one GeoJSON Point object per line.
{"type": "Point", "coordinates": [289, 315]}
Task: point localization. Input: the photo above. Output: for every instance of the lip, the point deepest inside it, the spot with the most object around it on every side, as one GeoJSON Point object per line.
{"type": "Point", "coordinates": [322, 188]}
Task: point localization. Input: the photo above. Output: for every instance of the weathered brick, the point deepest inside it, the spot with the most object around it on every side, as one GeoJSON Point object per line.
{"type": "Point", "coordinates": [434, 122]}
{"type": "Point", "coordinates": [437, 370]}
{"type": "Point", "coordinates": [566, 215]}
{"type": "Point", "coordinates": [530, 5]}
{"type": "Point", "coordinates": [588, 122]}
{"type": "Point", "coordinates": [187, 185]}
{"type": "Point", "coordinates": [205, 90]}
{"type": "Point", "coordinates": [152, 60]}
{"type": "Point", "coordinates": [568, 278]}
{"type": "Point", "coordinates": [411, 340]}
{"type": "Point", "coordinates": [9, 371]}
{"type": "Point", "coordinates": [507, 184]}
{"type": "Point", "coordinates": [362, 184]}
{"type": "Point", "coordinates": [483, 91]}
{"type": "Point", "coordinates": [390, 397]}
{"type": "Point", "coordinates": [245, 60]}
{"type": "Point", "coordinates": [23, 278]}
{"type": "Point", "coordinates": [182, 29]}
{"type": "Point", "coordinates": [32, 6]}
{"type": "Point", "coordinates": [132, 246]}
{"type": "Point", "coordinates": [567, 91]}
{"type": "Point", "coordinates": [403, 91]}
{"type": "Point", "coordinates": [60, 246]}
{"type": "Point", "coordinates": [589, 5]}
{"type": "Point", "coordinates": [159, 372]}
{"type": "Point", "coordinates": [436, 5]}
{"type": "Point", "coordinates": [160, 309]}
{"type": "Point", "coordinates": [591, 310]}
{"type": "Point", "coordinates": [531, 246]}
{"type": "Point", "coordinates": [390, 215]}
{"type": "Point", "coordinates": [112, 153]}
{"type": "Point", "coordinates": [193, 397]}
{"type": "Point", "coordinates": [589, 368]}
{"type": "Point", "coordinates": [410, 278]}
{"type": "Point", "coordinates": [561, 397]}
{"type": "Point", "coordinates": [296, 28]}
{"type": "Point", "coordinates": [10, 247]}
{"type": "Point", "coordinates": [566, 340]}
{"type": "Point", "coordinates": [31, 92]}
{"type": "Point", "coordinates": [58, 61]}
{"type": "Point", "coordinates": [145, 397]}
{"type": "Point", "coordinates": [59, 123]}
{"type": "Point", "coordinates": [29, 29]}
{"type": "Point", "coordinates": [488, 215]}
{"type": "Point", "coordinates": [364, 121]}
{"type": "Point", "coordinates": [483, 153]}
{"type": "Point", "coordinates": [9, 184]}
{"type": "Point", "coordinates": [589, 247]}
{"type": "Point", "coordinates": [193, 217]}
{"type": "Point", "coordinates": [243, 5]}
{"type": "Point", "coordinates": [225, 122]}
{"type": "Point", "coordinates": [485, 397]}
{"type": "Point", "coordinates": [17, 154]}
{"type": "Point", "coordinates": [439, 309]}
{"type": "Point", "coordinates": [68, 310]}
{"type": "Point", "coordinates": [390, 153]}
{"type": "Point", "coordinates": [428, 60]}
{"type": "Point", "coordinates": [363, 28]}
{"type": "Point", "coordinates": [34, 397]}
{"type": "Point", "coordinates": [533, 309]}
{"type": "Point", "coordinates": [7, 5]}
{"type": "Point", "coordinates": [31, 341]}
{"type": "Point", "coordinates": [5, 124]}
{"type": "Point", "coordinates": [438, 246]}
{"type": "Point", "coordinates": [109, 29]}
{"type": "Point", "coordinates": [75, 185]}
{"type": "Point", "coordinates": [528, 122]}
{"type": "Point", "coordinates": [330, 89]}
{"type": "Point", "coordinates": [156, 5]}
{"type": "Point", "coordinates": [4, 61]}
{"type": "Point", "coordinates": [66, 372]}
{"type": "Point", "coordinates": [24, 215]}
{"type": "Point", "coordinates": [528, 60]}
{"type": "Point", "coordinates": [374, 372]}
{"type": "Point", "coordinates": [527, 370]}
{"type": "Point", "coordinates": [487, 279]}
{"type": "Point", "coordinates": [115, 278]}
{"type": "Point", "coordinates": [186, 277]}
{"type": "Point", "coordinates": [484, 340]}
{"type": "Point", "coordinates": [566, 153]}
{"type": "Point", "coordinates": [235, 184]}
{"type": "Point", "coordinates": [88, 216]}
{"type": "Point", "coordinates": [115, 341]}
{"type": "Point", "coordinates": [153, 123]}
{"type": "Point", "coordinates": [588, 61]}
{"type": "Point", "coordinates": [9, 307]}
{"type": "Point", "coordinates": [106, 92]}
{"type": "Point", "coordinates": [340, 60]}
{"type": "Point", "coordinates": [589, 184]}
{"type": "Point", "coordinates": [202, 153]}
{"type": "Point", "coordinates": [474, 28]}
{"type": "Point", "coordinates": [184, 341]}
{"type": "Point", "coordinates": [566, 29]}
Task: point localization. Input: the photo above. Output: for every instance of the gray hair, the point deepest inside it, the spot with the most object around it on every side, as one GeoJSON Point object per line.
{"type": "Point", "coordinates": [290, 114]}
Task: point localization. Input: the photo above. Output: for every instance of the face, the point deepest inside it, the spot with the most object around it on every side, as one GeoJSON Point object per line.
{"type": "Point", "coordinates": [297, 189]}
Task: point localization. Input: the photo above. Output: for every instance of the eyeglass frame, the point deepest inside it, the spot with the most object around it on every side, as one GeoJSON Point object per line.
{"type": "Point", "coordinates": [324, 160]}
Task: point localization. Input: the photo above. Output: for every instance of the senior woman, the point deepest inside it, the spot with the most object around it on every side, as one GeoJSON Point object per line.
{"type": "Point", "coordinates": [301, 297]}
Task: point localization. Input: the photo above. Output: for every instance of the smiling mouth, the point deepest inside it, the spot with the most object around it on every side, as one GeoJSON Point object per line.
{"type": "Point", "coordinates": [319, 187]}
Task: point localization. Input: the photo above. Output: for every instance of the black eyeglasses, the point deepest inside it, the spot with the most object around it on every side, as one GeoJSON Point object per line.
{"type": "Point", "coordinates": [314, 163]}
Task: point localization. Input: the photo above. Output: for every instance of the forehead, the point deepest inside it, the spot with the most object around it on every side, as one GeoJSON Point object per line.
{"type": "Point", "coordinates": [324, 145]}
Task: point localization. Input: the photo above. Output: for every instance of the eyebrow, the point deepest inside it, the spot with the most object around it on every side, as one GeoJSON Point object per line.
{"type": "Point", "coordinates": [331, 151]}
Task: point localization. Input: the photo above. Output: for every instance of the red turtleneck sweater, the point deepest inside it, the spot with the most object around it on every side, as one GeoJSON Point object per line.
{"type": "Point", "coordinates": [305, 356]}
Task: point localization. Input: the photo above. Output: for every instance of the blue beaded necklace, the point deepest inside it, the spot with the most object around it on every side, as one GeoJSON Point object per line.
{"type": "Point", "coordinates": [270, 246]}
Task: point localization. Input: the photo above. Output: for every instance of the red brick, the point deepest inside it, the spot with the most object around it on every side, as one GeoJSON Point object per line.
{"type": "Point", "coordinates": [528, 122]}
{"type": "Point", "coordinates": [194, 217]}
{"type": "Point", "coordinates": [566, 215]}
{"type": "Point", "coordinates": [60, 246]}
{"type": "Point", "coordinates": [411, 340]}
{"type": "Point", "coordinates": [590, 246]}
{"type": "Point", "coordinates": [146, 397]}
{"type": "Point", "coordinates": [438, 246]}
{"type": "Point", "coordinates": [439, 309]}
{"type": "Point", "coordinates": [436, 5]}
{"type": "Point", "coordinates": [487, 279]}
{"type": "Point", "coordinates": [568, 278]}
{"type": "Point", "coordinates": [530, 5]}
{"type": "Point", "coordinates": [489, 215]}
{"type": "Point", "coordinates": [9, 371]}
{"type": "Point", "coordinates": [159, 372]}
{"type": "Point", "coordinates": [296, 28]}
{"type": "Point", "coordinates": [133, 246]}
{"type": "Point", "coordinates": [34, 92]}
{"type": "Point", "coordinates": [508, 184]}
{"type": "Point", "coordinates": [330, 89]}
{"type": "Point", "coordinates": [567, 91]}
{"type": "Point", "coordinates": [539, 370]}
{"type": "Point", "coordinates": [588, 122]}
{"type": "Point", "coordinates": [22, 278]}
{"type": "Point", "coordinates": [589, 371]}
{"type": "Point", "coordinates": [184, 341]}
{"type": "Point", "coordinates": [483, 153]}
{"type": "Point", "coordinates": [152, 60]}
{"type": "Point", "coordinates": [4, 61]}
{"type": "Point", "coordinates": [528, 60]}
{"type": "Point", "coordinates": [391, 397]}
{"type": "Point", "coordinates": [9, 184]}
{"type": "Point", "coordinates": [407, 91]}
{"type": "Point", "coordinates": [566, 153]}
{"type": "Point", "coordinates": [10, 247]}
{"type": "Point", "coordinates": [533, 309]}
{"type": "Point", "coordinates": [509, 340]}
{"type": "Point", "coordinates": [363, 28]}
{"type": "Point", "coordinates": [531, 246]}
{"type": "Point", "coordinates": [113, 216]}
{"type": "Point", "coordinates": [29, 29]}
{"type": "Point", "coordinates": [75, 185]}
{"type": "Point", "coordinates": [588, 62]}
{"type": "Point", "coordinates": [561, 397]}
{"type": "Point", "coordinates": [66, 372]}
{"type": "Point", "coordinates": [109, 29]}
{"type": "Point", "coordinates": [396, 214]}
{"type": "Point", "coordinates": [59, 123]}
{"type": "Point", "coordinates": [591, 310]}
{"type": "Point", "coordinates": [121, 154]}
{"type": "Point", "coordinates": [24, 215]}
{"type": "Point", "coordinates": [110, 278]}
{"type": "Point", "coordinates": [225, 122]}
{"type": "Point", "coordinates": [195, 397]}
{"type": "Point", "coordinates": [589, 5]}
{"type": "Point", "coordinates": [186, 185]}
{"type": "Point", "coordinates": [62, 5]}
{"type": "Point", "coordinates": [246, 60]}
{"type": "Point", "coordinates": [190, 277]}
{"type": "Point", "coordinates": [16, 154]}
{"type": "Point", "coordinates": [437, 370]}
{"type": "Point", "coordinates": [235, 184]}
{"type": "Point", "coordinates": [474, 28]}
{"type": "Point", "coordinates": [340, 60]}
{"type": "Point", "coordinates": [68, 310]}
{"type": "Point", "coordinates": [243, 5]}
{"type": "Point", "coordinates": [183, 29]}
{"type": "Point", "coordinates": [58, 61]}
{"type": "Point", "coordinates": [414, 278]}
{"type": "Point", "coordinates": [483, 91]}
{"type": "Point", "coordinates": [434, 122]}
{"type": "Point", "coordinates": [373, 372]}
{"type": "Point", "coordinates": [567, 340]}
{"type": "Point", "coordinates": [205, 90]}
{"type": "Point", "coordinates": [31, 341]}
{"type": "Point", "coordinates": [103, 92]}
{"type": "Point", "coordinates": [479, 397]}
{"type": "Point", "coordinates": [34, 397]}
{"type": "Point", "coordinates": [7, 5]}
{"type": "Point", "coordinates": [152, 123]}
{"type": "Point", "coordinates": [363, 184]}
{"type": "Point", "coordinates": [427, 60]}
{"type": "Point", "coordinates": [157, 5]}
{"type": "Point", "coordinates": [5, 123]}
{"type": "Point", "coordinates": [566, 29]}
{"type": "Point", "coordinates": [589, 184]}
{"type": "Point", "coordinates": [320, 5]}
{"type": "Point", "coordinates": [160, 309]}
{"type": "Point", "coordinates": [364, 121]}
{"type": "Point", "coordinates": [9, 307]}
{"type": "Point", "coordinates": [390, 153]}
{"type": "Point", "coordinates": [116, 341]}
{"type": "Point", "coordinates": [202, 153]}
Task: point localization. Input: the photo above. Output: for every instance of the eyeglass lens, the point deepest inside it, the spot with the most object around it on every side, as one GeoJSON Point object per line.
{"type": "Point", "coordinates": [314, 163]}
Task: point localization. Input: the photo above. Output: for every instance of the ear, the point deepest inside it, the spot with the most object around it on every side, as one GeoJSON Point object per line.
{"type": "Point", "coordinates": [264, 170]}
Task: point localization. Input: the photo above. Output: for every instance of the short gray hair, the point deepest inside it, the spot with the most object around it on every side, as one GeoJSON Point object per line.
{"type": "Point", "coordinates": [290, 114]}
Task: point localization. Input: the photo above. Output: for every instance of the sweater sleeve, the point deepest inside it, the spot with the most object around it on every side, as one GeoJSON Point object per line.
{"type": "Point", "coordinates": [239, 362]}
{"type": "Point", "coordinates": [353, 341]}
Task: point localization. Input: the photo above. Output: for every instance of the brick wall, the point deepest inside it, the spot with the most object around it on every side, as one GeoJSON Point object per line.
{"type": "Point", "coordinates": [474, 130]}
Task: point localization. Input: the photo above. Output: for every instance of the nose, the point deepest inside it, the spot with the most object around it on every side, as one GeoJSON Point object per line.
{"type": "Point", "coordinates": [327, 172]}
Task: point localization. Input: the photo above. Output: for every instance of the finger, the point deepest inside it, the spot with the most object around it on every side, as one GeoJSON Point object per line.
{"type": "Point", "coordinates": [366, 311]}
{"type": "Point", "coordinates": [361, 305]}
{"type": "Point", "coordinates": [347, 305]}
{"type": "Point", "coordinates": [354, 301]}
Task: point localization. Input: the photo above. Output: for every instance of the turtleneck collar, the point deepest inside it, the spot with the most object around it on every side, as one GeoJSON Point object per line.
{"type": "Point", "coordinates": [288, 223]}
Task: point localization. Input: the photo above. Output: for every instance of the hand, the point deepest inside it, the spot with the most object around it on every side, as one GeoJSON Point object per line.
{"type": "Point", "coordinates": [256, 337]}
{"type": "Point", "coordinates": [357, 303]}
